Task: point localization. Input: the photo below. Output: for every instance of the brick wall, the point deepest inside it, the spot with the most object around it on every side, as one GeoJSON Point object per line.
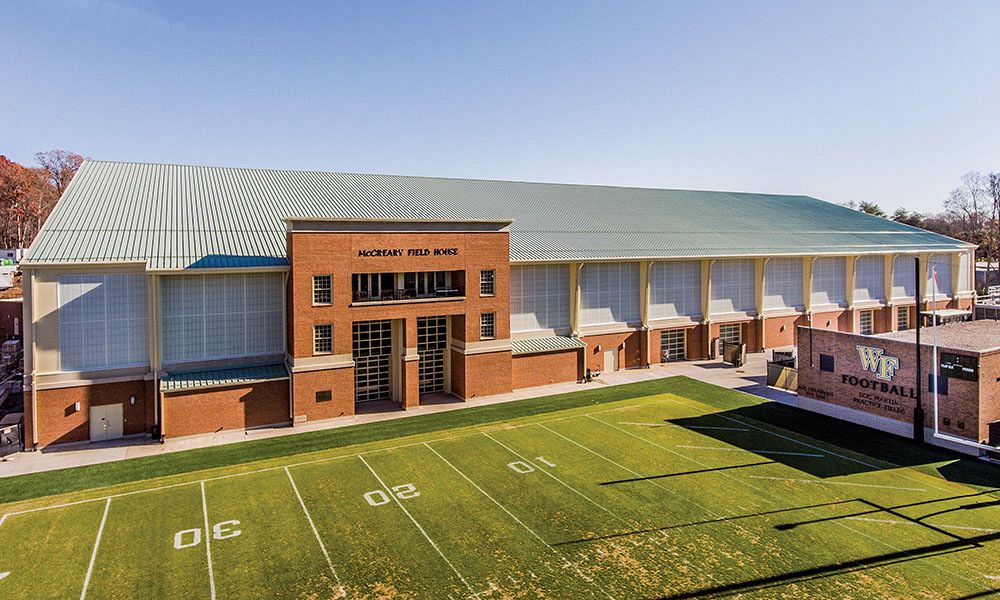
{"type": "Point", "coordinates": [9, 311]}
{"type": "Point", "coordinates": [337, 381]}
{"type": "Point", "coordinates": [850, 386]}
{"type": "Point", "coordinates": [60, 423]}
{"type": "Point", "coordinates": [208, 411]}
{"type": "Point", "coordinates": [532, 370]}
{"type": "Point", "coordinates": [626, 343]}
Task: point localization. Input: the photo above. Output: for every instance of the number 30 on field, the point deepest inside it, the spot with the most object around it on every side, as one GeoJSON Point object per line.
{"type": "Point", "coordinates": [192, 537]}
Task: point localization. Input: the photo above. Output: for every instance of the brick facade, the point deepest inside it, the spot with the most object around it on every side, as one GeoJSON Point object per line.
{"type": "Point", "coordinates": [968, 406]}
{"type": "Point", "coordinates": [532, 370]}
{"type": "Point", "coordinates": [221, 409]}
{"type": "Point", "coordinates": [60, 422]}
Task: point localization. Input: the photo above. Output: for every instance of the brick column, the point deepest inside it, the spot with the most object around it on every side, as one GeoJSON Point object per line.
{"type": "Point", "coordinates": [410, 369]}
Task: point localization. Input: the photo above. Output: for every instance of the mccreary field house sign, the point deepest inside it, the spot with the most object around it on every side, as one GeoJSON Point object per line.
{"type": "Point", "coordinates": [372, 252]}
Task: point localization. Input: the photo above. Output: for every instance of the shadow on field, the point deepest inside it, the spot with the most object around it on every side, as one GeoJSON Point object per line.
{"type": "Point", "coordinates": [850, 448]}
{"type": "Point", "coordinates": [857, 565]}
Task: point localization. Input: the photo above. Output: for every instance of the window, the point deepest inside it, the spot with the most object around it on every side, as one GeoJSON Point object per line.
{"type": "Point", "coordinates": [902, 318]}
{"type": "Point", "coordinates": [942, 264]}
{"type": "Point", "coordinates": [731, 332]}
{"type": "Point", "coordinates": [487, 282]}
{"type": "Point", "coordinates": [609, 293]}
{"type": "Point", "coordinates": [675, 289]}
{"type": "Point", "coordinates": [487, 326]}
{"type": "Point", "coordinates": [964, 285]}
{"type": "Point", "coordinates": [322, 289]}
{"type": "Point", "coordinates": [672, 344]}
{"type": "Point", "coordinates": [539, 297]}
{"type": "Point", "coordinates": [826, 363]}
{"type": "Point", "coordinates": [783, 283]}
{"type": "Point", "coordinates": [869, 278]}
{"type": "Point", "coordinates": [222, 316]}
{"type": "Point", "coordinates": [324, 395]}
{"type": "Point", "coordinates": [942, 384]}
{"type": "Point", "coordinates": [322, 339]}
{"type": "Point", "coordinates": [867, 318]}
{"type": "Point", "coordinates": [903, 281]}
{"type": "Point", "coordinates": [732, 287]}
{"type": "Point", "coordinates": [829, 281]}
{"type": "Point", "coordinates": [102, 321]}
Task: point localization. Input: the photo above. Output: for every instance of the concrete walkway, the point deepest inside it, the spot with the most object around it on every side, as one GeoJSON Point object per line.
{"type": "Point", "coordinates": [750, 379]}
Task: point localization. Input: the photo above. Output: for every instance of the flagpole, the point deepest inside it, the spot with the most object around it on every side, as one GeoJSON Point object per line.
{"type": "Point", "coordinates": [934, 365]}
{"type": "Point", "coordinates": [918, 409]}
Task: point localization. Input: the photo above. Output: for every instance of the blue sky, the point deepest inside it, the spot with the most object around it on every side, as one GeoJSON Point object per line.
{"type": "Point", "coordinates": [883, 101]}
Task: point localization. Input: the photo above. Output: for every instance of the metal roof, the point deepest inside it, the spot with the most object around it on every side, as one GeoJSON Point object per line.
{"type": "Point", "coordinates": [546, 344]}
{"type": "Point", "coordinates": [193, 380]}
{"type": "Point", "coordinates": [182, 217]}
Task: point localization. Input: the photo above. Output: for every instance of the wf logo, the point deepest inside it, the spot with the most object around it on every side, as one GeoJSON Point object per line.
{"type": "Point", "coordinates": [876, 361]}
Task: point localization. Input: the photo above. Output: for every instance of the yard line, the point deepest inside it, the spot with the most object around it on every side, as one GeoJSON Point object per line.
{"type": "Point", "coordinates": [709, 427]}
{"type": "Point", "coordinates": [208, 542]}
{"type": "Point", "coordinates": [322, 546]}
{"type": "Point", "coordinates": [519, 521]}
{"type": "Point", "coordinates": [765, 495]}
{"type": "Point", "coordinates": [3, 518]}
{"type": "Point", "coordinates": [850, 483]}
{"type": "Point", "coordinates": [628, 522]}
{"type": "Point", "coordinates": [938, 525]}
{"type": "Point", "coordinates": [419, 527]}
{"type": "Point", "coordinates": [754, 451]}
{"type": "Point", "coordinates": [93, 555]}
{"type": "Point", "coordinates": [642, 424]}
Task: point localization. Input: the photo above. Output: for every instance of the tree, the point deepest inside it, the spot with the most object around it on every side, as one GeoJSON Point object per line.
{"type": "Point", "coordinates": [872, 209]}
{"type": "Point", "coordinates": [967, 205]}
{"type": "Point", "coordinates": [28, 194]}
{"type": "Point", "coordinates": [914, 219]}
{"type": "Point", "coordinates": [60, 167]}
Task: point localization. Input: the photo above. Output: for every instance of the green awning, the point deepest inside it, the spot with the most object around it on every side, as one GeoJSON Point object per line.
{"type": "Point", "coordinates": [193, 380]}
{"type": "Point", "coordinates": [546, 344]}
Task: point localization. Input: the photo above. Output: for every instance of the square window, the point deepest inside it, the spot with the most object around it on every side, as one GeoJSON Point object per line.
{"type": "Point", "coordinates": [487, 326]}
{"type": "Point", "coordinates": [322, 339]}
{"type": "Point", "coordinates": [731, 332]}
{"type": "Point", "coordinates": [324, 396]}
{"type": "Point", "coordinates": [322, 289]}
{"type": "Point", "coordinates": [487, 282]}
{"type": "Point", "coordinates": [826, 363]}
{"type": "Point", "coordinates": [867, 322]}
{"type": "Point", "coordinates": [903, 318]}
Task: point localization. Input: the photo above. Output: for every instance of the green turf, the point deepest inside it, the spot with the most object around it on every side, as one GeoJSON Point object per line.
{"type": "Point", "coordinates": [671, 489]}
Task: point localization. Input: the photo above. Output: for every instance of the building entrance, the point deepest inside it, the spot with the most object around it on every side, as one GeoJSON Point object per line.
{"type": "Point", "coordinates": [372, 353]}
{"type": "Point", "coordinates": [432, 344]}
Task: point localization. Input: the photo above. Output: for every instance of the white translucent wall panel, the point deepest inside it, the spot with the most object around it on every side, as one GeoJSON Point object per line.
{"type": "Point", "coordinates": [102, 321]}
{"type": "Point", "coordinates": [539, 297]}
{"type": "Point", "coordinates": [829, 281]}
{"type": "Point", "coordinates": [783, 283]}
{"type": "Point", "coordinates": [942, 264]}
{"type": "Point", "coordinates": [964, 283]}
{"type": "Point", "coordinates": [609, 293]}
{"type": "Point", "coordinates": [904, 283]}
{"type": "Point", "coordinates": [675, 289]}
{"type": "Point", "coordinates": [221, 316]}
{"type": "Point", "coordinates": [869, 278]}
{"type": "Point", "coordinates": [732, 287]}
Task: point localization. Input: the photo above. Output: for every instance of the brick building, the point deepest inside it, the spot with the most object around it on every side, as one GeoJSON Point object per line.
{"type": "Point", "coordinates": [872, 380]}
{"type": "Point", "coordinates": [178, 300]}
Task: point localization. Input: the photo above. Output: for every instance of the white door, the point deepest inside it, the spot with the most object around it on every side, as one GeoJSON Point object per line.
{"type": "Point", "coordinates": [106, 422]}
{"type": "Point", "coordinates": [611, 360]}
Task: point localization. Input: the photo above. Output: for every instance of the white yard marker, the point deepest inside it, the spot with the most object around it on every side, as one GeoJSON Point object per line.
{"type": "Point", "coordinates": [806, 454]}
{"type": "Point", "coordinates": [938, 525]}
{"type": "Point", "coordinates": [850, 483]}
{"type": "Point", "coordinates": [708, 427]}
{"type": "Point", "coordinates": [518, 521]}
{"type": "Point", "coordinates": [419, 527]}
{"type": "Point", "coordinates": [642, 424]}
{"type": "Point", "coordinates": [208, 542]}
{"type": "Point", "coordinates": [93, 555]}
{"type": "Point", "coordinates": [322, 546]}
{"type": "Point", "coordinates": [4, 574]}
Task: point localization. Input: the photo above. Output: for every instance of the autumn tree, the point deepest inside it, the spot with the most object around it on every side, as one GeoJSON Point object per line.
{"type": "Point", "coordinates": [28, 194]}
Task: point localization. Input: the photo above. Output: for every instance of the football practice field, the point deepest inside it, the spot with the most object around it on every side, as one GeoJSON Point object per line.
{"type": "Point", "coordinates": [661, 495]}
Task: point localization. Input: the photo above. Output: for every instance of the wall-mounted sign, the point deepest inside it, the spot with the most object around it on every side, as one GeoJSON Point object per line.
{"type": "Point", "coordinates": [959, 366]}
{"type": "Point", "coordinates": [878, 362]}
{"type": "Point", "coordinates": [391, 252]}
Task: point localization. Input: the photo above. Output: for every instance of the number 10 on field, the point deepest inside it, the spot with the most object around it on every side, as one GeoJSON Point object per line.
{"type": "Point", "coordinates": [523, 467]}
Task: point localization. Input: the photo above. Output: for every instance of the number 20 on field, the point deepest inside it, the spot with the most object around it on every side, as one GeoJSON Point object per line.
{"type": "Point", "coordinates": [403, 492]}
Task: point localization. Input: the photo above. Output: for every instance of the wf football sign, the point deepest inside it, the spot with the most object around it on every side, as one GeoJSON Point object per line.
{"type": "Point", "coordinates": [878, 362]}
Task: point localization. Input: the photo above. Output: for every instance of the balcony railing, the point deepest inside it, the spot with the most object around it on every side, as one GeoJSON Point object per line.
{"type": "Point", "coordinates": [405, 294]}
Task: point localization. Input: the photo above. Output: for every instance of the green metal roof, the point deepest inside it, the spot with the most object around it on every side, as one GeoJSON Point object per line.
{"type": "Point", "coordinates": [546, 344]}
{"type": "Point", "coordinates": [182, 217]}
{"type": "Point", "coordinates": [193, 380]}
